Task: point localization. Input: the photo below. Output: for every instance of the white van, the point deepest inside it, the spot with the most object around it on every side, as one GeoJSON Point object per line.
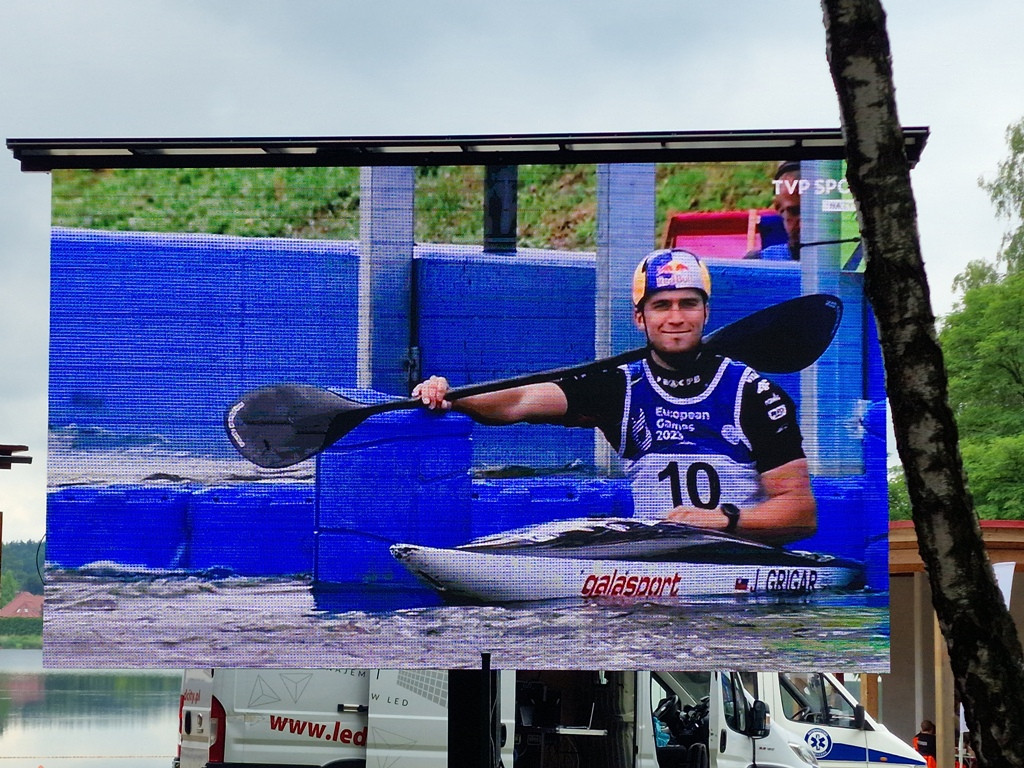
{"type": "Point", "coordinates": [316, 717]}
{"type": "Point", "coordinates": [347, 718]}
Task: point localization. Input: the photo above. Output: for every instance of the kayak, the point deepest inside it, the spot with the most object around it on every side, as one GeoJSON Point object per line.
{"type": "Point", "coordinates": [622, 559]}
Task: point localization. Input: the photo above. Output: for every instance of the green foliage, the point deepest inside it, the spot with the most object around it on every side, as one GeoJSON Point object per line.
{"type": "Point", "coordinates": [712, 187]}
{"type": "Point", "coordinates": [994, 469]}
{"type": "Point", "coordinates": [556, 205]}
{"type": "Point", "coordinates": [1007, 193]}
{"type": "Point", "coordinates": [976, 274]}
{"type": "Point", "coordinates": [20, 642]}
{"type": "Point", "coordinates": [899, 498]}
{"type": "Point", "coordinates": [983, 345]}
{"type": "Point", "coordinates": [258, 202]}
{"type": "Point", "coordinates": [18, 571]}
{"type": "Point", "coordinates": [9, 587]}
{"type": "Point", "coordinates": [20, 625]}
{"type": "Point", "coordinates": [449, 207]}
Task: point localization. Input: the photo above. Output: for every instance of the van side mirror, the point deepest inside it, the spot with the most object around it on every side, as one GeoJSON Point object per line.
{"type": "Point", "coordinates": [859, 717]}
{"type": "Point", "coordinates": [758, 722]}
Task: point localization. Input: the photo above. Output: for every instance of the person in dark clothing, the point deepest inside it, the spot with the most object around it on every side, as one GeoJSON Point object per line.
{"type": "Point", "coordinates": [706, 440]}
{"type": "Point", "coordinates": [924, 742]}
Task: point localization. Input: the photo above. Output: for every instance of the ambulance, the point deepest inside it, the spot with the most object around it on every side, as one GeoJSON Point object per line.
{"type": "Point", "coordinates": [349, 718]}
{"type": "Point", "coordinates": [832, 723]}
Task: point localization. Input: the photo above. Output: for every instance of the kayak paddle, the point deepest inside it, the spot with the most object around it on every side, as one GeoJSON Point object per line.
{"type": "Point", "coordinates": [282, 424]}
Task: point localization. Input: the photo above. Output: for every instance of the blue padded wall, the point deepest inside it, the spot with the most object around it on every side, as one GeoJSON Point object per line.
{"type": "Point", "coordinates": [484, 317]}
{"type": "Point", "coordinates": [253, 529]}
{"type": "Point", "coordinates": [124, 524]}
{"type": "Point", "coordinates": [402, 476]}
{"type": "Point", "coordinates": [152, 336]}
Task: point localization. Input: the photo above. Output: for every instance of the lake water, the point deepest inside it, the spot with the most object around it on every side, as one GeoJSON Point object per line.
{"type": "Point", "coordinates": [85, 718]}
{"type": "Point", "coordinates": [101, 621]}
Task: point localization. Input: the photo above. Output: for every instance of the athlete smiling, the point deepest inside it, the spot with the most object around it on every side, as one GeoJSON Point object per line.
{"type": "Point", "coordinates": [706, 440]}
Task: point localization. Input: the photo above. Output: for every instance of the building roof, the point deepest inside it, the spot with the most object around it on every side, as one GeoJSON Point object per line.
{"type": "Point", "coordinates": [25, 605]}
{"type": "Point", "coordinates": [1004, 540]}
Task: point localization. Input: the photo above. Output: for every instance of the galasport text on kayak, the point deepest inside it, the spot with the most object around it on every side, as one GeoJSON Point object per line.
{"type": "Point", "coordinates": [626, 585]}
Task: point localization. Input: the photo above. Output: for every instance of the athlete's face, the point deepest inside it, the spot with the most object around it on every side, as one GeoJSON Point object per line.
{"type": "Point", "coordinates": [673, 320]}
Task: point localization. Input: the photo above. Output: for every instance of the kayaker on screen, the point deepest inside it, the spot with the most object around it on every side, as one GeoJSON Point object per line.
{"type": "Point", "coordinates": [706, 440]}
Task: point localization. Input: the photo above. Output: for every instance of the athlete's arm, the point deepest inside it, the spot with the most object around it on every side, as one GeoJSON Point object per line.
{"type": "Point", "coordinates": [534, 402]}
{"type": "Point", "coordinates": [787, 514]}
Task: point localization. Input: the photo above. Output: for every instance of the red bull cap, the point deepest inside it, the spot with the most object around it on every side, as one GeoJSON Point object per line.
{"type": "Point", "coordinates": [667, 270]}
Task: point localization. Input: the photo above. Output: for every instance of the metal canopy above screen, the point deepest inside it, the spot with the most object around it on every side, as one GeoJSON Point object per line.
{"type": "Point", "coordinates": [510, 149]}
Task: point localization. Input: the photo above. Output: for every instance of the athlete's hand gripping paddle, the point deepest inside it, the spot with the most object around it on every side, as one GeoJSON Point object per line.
{"type": "Point", "coordinates": [282, 424]}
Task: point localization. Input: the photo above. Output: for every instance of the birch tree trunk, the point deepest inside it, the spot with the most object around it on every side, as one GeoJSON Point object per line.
{"type": "Point", "coordinates": [984, 649]}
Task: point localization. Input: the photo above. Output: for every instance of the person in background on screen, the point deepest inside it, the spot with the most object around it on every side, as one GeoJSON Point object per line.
{"type": "Point", "coordinates": [924, 742]}
{"type": "Point", "coordinates": [787, 203]}
{"type": "Point", "coordinates": [707, 441]}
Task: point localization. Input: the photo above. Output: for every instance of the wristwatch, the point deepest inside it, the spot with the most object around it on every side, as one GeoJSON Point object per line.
{"type": "Point", "coordinates": [732, 514]}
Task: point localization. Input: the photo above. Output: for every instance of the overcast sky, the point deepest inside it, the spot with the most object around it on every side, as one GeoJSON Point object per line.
{"type": "Point", "coordinates": [151, 68]}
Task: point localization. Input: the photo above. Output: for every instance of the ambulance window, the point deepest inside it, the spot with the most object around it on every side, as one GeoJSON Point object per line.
{"type": "Point", "coordinates": [750, 683]}
{"type": "Point", "coordinates": [695, 685]}
{"type": "Point", "coordinates": [839, 709]}
{"type": "Point", "coordinates": [812, 698]}
{"type": "Point", "coordinates": [801, 700]}
{"type": "Point", "coordinates": [658, 692]}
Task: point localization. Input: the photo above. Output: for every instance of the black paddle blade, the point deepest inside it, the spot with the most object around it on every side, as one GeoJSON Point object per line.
{"type": "Point", "coordinates": [783, 338]}
{"type": "Point", "coordinates": [283, 424]}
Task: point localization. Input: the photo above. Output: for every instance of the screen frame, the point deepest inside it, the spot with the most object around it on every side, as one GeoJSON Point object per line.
{"type": "Point", "coordinates": [480, 149]}
{"type": "Point", "coordinates": [419, 151]}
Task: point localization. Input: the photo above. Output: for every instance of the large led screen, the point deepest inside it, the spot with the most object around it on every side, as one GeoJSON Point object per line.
{"type": "Point", "coordinates": [238, 477]}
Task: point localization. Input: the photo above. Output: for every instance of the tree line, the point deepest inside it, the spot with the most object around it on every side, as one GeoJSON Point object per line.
{"type": "Point", "coordinates": [983, 344]}
{"type": "Point", "coordinates": [18, 569]}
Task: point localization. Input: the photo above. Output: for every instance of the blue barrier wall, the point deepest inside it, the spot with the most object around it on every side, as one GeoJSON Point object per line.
{"type": "Point", "coordinates": [252, 529]}
{"type": "Point", "coordinates": [402, 477]}
{"type": "Point", "coordinates": [125, 524]}
{"type": "Point", "coordinates": [484, 317]}
{"type": "Point", "coordinates": [152, 336]}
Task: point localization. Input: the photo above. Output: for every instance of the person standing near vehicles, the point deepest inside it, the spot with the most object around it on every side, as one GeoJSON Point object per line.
{"type": "Point", "coordinates": [924, 742]}
{"type": "Point", "coordinates": [707, 441]}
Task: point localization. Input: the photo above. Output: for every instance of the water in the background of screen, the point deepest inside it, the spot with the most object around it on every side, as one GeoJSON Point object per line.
{"type": "Point", "coordinates": [85, 718]}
